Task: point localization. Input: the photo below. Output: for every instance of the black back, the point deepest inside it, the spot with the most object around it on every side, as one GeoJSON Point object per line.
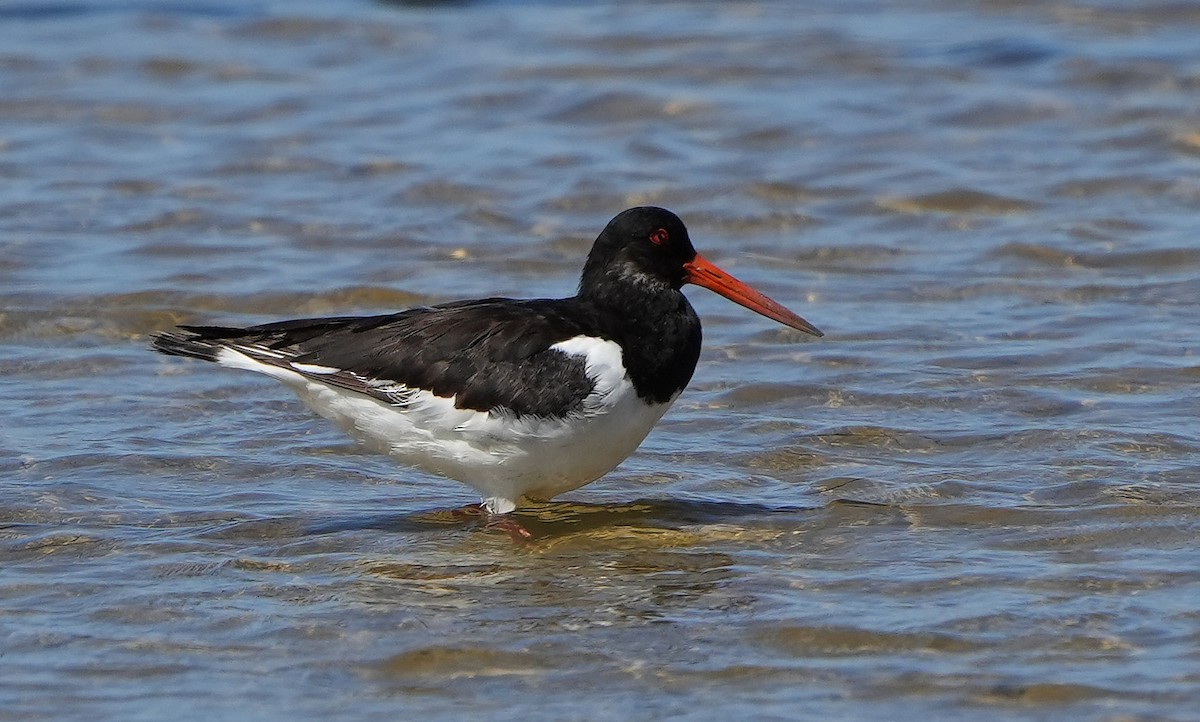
{"type": "Point", "coordinates": [495, 354]}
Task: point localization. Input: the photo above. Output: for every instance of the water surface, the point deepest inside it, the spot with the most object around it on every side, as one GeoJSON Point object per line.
{"type": "Point", "coordinates": [977, 496]}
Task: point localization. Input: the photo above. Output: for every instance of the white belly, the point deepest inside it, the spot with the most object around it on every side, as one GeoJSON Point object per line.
{"type": "Point", "coordinates": [501, 456]}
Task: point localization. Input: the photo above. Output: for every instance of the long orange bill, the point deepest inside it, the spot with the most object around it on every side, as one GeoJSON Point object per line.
{"type": "Point", "coordinates": [702, 272]}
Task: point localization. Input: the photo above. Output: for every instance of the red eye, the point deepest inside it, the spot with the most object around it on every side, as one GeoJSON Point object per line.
{"type": "Point", "coordinates": [660, 237]}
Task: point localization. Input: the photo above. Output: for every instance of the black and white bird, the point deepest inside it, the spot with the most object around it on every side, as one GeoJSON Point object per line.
{"type": "Point", "coordinates": [518, 399]}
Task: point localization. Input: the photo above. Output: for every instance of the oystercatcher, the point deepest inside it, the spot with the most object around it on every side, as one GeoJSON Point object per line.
{"type": "Point", "coordinates": [519, 399]}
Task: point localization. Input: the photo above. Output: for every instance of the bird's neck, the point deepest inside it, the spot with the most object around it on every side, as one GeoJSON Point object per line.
{"type": "Point", "coordinates": [657, 330]}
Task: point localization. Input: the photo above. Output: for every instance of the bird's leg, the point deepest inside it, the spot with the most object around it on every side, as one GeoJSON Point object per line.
{"type": "Point", "coordinates": [507, 523]}
{"type": "Point", "coordinates": [468, 511]}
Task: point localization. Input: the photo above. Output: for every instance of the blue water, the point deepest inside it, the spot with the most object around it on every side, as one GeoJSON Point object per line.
{"type": "Point", "coordinates": [975, 497]}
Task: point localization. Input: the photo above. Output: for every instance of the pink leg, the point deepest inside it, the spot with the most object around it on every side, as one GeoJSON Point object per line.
{"type": "Point", "coordinates": [468, 511]}
{"type": "Point", "coordinates": [507, 523]}
{"type": "Point", "coordinates": [493, 522]}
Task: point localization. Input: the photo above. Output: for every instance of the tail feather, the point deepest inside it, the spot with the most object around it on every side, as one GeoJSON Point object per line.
{"type": "Point", "coordinates": [187, 344]}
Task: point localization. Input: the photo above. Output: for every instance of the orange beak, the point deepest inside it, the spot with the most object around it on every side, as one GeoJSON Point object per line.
{"type": "Point", "coordinates": [703, 273]}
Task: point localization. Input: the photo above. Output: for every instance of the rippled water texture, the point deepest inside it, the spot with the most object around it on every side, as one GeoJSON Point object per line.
{"type": "Point", "coordinates": [977, 497]}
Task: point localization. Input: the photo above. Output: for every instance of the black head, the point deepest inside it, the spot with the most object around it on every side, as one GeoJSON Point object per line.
{"type": "Point", "coordinates": [645, 246]}
{"type": "Point", "coordinates": [646, 251]}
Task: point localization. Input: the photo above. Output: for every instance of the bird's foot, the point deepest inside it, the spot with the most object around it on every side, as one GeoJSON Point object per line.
{"type": "Point", "coordinates": [509, 525]}
{"type": "Point", "coordinates": [470, 511]}
{"type": "Point", "coordinates": [506, 523]}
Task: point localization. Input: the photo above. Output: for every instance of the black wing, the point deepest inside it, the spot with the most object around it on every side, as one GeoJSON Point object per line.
{"type": "Point", "coordinates": [492, 354]}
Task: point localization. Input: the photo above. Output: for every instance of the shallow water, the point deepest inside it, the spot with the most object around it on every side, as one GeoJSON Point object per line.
{"type": "Point", "coordinates": [978, 495]}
